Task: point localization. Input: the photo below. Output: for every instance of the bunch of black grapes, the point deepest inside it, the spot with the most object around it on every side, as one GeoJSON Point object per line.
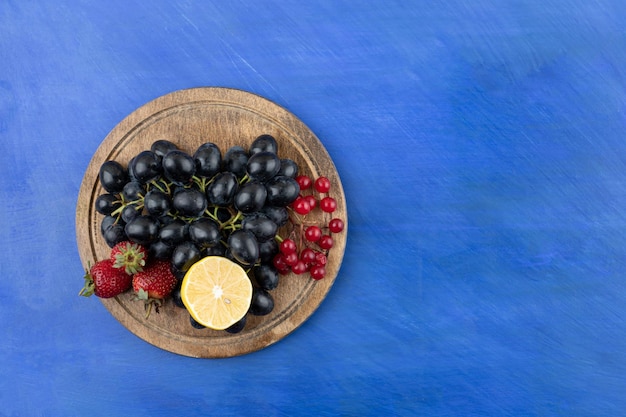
{"type": "Point", "coordinates": [182, 207]}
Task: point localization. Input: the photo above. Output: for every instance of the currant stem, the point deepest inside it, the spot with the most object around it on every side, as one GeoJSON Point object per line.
{"type": "Point", "coordinates": [300, 235]}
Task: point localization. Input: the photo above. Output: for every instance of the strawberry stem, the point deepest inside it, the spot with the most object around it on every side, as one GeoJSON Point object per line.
{"type": "Point", "coordinates": [89, 287]}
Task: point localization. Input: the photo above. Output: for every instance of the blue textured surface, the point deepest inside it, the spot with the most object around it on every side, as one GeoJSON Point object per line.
{"type": "Point", "coordinates": [482, 150]}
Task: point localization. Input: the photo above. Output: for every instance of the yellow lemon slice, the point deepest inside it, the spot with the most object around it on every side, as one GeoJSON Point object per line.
{"type": "Point", "coordinates": [217, 292]}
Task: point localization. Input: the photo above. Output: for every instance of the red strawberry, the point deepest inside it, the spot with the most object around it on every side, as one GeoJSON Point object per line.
{"type": "Point", "coordinates": [129, 256]}
{"type": "Point", "coordinates": [105, 281]}
{"type": "Point", "coordinates": [154, 283]}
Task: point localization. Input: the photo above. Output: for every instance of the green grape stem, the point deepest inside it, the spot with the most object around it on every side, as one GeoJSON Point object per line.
{"type": "Point", "coordinates": [244, 179]}
{"type": "Point", "coordinates": [166, 189]}
{"type": "Point", "coordinates": [201, 182]}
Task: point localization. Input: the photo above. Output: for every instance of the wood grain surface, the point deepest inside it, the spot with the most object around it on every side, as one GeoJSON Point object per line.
{"type": "Point", "coordinates": [226, 117]}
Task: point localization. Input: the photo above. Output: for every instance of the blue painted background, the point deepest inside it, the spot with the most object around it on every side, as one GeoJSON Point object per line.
{"type": "Point", "coordinates": [482, 149]}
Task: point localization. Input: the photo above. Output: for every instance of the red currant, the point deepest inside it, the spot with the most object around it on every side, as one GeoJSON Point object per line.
{"type": "Point", "coordinates": [311, 200]}
{"type": "Point", "coordinates": [326, 242]}
{"type": "Point", "coordinates": [279, 264]}
{"type": "Point", "coordinates": [287, 246]}
{"type": "Point", "coordinates": [301, 206]}
{"type": "Point", "coordinates": [320, 259]}
{"type": "Point", "coordinates": [322, 185]}
{"type": "Point", "coordinates": [303, 181]}
{"type": "Point", "coordinates": [307, 256]}
{"type": "Point", "coordinates": [291, 259]}
{"type": "Point", "coordinates": [299, 268]}
{"type": "Point", "coordinates": [328, 204]}
{"type": "Point", "coordinates": [335, 225]}
{"type": "Point", "coordinates": [318, 272]}
{"type": "Point", "coordinates": [312, 233]}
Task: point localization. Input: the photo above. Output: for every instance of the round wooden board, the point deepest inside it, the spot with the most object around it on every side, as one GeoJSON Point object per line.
{"type": "Point", "coordinates": [226, 117]}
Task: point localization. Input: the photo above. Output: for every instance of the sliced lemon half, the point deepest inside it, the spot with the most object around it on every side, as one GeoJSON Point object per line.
{"type": "Point", "coordinates": [217, 292]}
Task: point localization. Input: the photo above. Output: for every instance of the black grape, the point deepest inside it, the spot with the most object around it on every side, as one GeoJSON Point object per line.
{"type": "Point", "coordinates": [157, 202]}
{"type": "Point", "coordinates": [266, 276]}
{"type": "Point", "coordinates": [142, 229]}
{"type": "Point", "coordinates": [130, 212]}
{"type": "Point", "coordinates": [262, 302]}
{"type": "Point", "coordinates": [174, 233]}
{"type": "Point", "coordinates": [178, 167]}
{"type": "Point", "coordinates": [264, 143]}
{"type": "Point", "coordinates": [161, 147]}
{"type": "Point", "coordinates": [114, 234]}
{"type": "Point", "coordinates": [243, 246]}
{"type": "Point", "coordinates": [204, 232]}
{"type": "Point", "coordinates": [190, 202]}
{"type": "Point", "coordinates": [261, 226]}
{"type": "Point", "coordinates": [178, 301]}
{"type": "Point", "coordinates": [262, 166]}
{"type": "Point", "coordinates": [237, 327]}
{"type": "Point", "coordinates": [108, 221]}
{"type": "Point", "coordinates": [208, 159]}
{"type": "Point", "coordinates": [112, 176]}
{"type": "Point", "coordinates": [288, 168]}
{"type": "Point", "coordinates": [145, 167]}
{"type": "Point", "coordinates": [235, 161]}
{"type": "Point", "coordinates": [107, 203]}
{"type": "Point", "coordinates": [267, 250]}
{"type": "Point", "coordinates": [195, 324]}
{"type": "Point", "coordinates": [160, 250]}
{"type": "Point", "coordinates": [185, 255]}
{"type": "Point", "coordinates": [251, 197]}
{"type": "Point", "coordinates": [133, 191]}
{"type": "Point", "coordinates": [278, 215]}
{"type": "Point", "coordinates": [282, 191]}
{"type": "Point", "coordinates": [222, 189]}
{"type": "Point", "coordinates": [217, 250]}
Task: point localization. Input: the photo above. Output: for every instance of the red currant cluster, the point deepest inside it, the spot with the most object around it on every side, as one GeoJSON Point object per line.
{"type": "Point", "coordinates": [307, 247]}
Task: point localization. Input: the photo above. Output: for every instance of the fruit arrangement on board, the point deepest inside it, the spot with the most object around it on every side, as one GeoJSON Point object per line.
{"type": "Point", "coordinates": [213, 231]}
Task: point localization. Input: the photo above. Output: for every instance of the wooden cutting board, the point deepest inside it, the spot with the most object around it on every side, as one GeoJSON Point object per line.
{"type": "Point", "coordinates": [226, 117]}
